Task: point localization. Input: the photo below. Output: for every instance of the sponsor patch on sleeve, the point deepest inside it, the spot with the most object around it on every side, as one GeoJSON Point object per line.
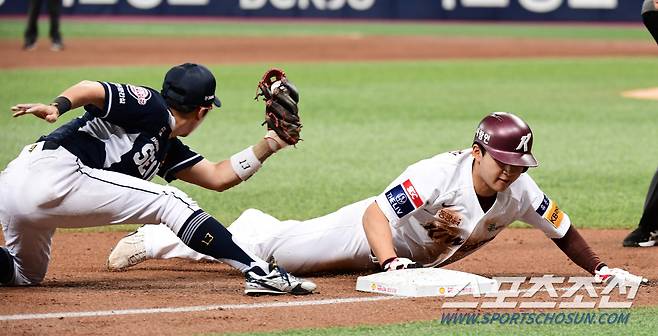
{"type": "Point", "coordinates": [141, 95]}
{"type": "Point", "coordinates": [404, 198]}
{"type": "Point", "coordinates": [550, 211]}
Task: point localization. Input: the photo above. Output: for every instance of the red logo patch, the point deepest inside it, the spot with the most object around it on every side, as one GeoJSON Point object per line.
{"type": "Point", "coordinates": [413, 193]}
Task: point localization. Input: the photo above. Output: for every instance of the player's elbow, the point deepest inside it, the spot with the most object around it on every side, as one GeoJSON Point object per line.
{"type": "Point", "coordinates": [88, 84]}
{"type": "Point", "coordinates": [223, 182]}
{"type": "Point", "coordinates": [367, 218]}
{"type": "Point", "coordinates": [219, 187]}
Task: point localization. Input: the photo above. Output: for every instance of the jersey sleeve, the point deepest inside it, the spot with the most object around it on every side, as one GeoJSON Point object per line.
{"type": "Point", "coordinates": [407, 194]}
{"type": "Point", "coordinates": [179, 157]}
{"type": "Point", "coordinates": [543, 212]}
{"type": "Point", "coordinates": [129, 106]}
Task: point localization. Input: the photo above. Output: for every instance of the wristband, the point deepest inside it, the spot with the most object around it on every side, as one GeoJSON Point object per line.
{"type": "Point", "coordinates": [245, 163]}
{"type": "Point", "coordinates": [62, 104]}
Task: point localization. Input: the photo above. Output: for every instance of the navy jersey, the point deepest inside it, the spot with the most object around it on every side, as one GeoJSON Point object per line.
{"type": "Point", "coordinates": [129, 135]}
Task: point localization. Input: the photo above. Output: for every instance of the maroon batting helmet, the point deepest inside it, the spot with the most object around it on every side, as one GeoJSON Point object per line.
{"type": "Point", "coordinates": [507, 138]}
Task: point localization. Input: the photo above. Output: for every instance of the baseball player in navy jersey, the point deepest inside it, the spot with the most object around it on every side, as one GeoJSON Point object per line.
{"type": "Point", "coordinates": [436, 212]}
{"type": "Point", "coordinates": [95, 170]}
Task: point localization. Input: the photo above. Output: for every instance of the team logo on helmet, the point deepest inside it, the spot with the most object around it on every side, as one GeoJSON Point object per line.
{"type": "Point", "coordinates": [524, 142]}
{"type": "Point", "coordinates": [140, 94]}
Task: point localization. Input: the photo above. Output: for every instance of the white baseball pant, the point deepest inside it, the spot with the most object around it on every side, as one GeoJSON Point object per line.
{"type": "Point", "coordinates": [329, 243]}
{"type": "Point", "coordinates": [44, 189]}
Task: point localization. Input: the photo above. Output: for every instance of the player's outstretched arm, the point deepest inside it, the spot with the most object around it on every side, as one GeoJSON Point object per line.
{"type": "Point", "coordinates": [577, 249]}
{"type": "Point", "coordinates": [380, 239]}
{"type": "Point", "coordinates": [83, 93]}
{"type": "Point", "coordinates": [225, 174]}
{"type": "Point", "coordinates": [378, 232]}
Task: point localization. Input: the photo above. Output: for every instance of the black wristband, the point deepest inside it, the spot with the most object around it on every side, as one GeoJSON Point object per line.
{"type": "Point", "coordinates": [62, 104]}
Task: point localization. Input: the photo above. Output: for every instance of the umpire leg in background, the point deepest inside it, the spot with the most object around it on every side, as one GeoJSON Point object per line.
{"type": "Point", "coordinates": [650, 18]}
{"type": "Point", "coordinates": [32, 29]}
{"type": "Point", "coordinates": [54, 10]}
{"type": "Point", "coordinates": [646, 234]}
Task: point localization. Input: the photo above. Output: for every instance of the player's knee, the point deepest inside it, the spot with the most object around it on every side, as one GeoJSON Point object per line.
{"type": "Point", "coordinates": [178, 197]}
{"type": "Point", "coordinates": [177, 208]}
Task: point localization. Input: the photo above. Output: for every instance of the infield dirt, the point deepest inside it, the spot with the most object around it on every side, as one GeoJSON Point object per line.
{"type": "Point", "coordinates": [78, 282]}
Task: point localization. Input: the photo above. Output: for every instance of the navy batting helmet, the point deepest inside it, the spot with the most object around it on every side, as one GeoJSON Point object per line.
{"type": "Point", "coordinates": [507, 138]}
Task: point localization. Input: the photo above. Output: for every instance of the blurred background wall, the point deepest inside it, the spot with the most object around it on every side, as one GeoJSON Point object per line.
{"type": "Point", "coordinates": [513, 10]}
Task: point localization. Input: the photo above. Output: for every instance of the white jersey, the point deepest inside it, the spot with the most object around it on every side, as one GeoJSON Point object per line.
{"type": "Point", "coordinates": [434, 213]}
{"type": "Point", "coordinates": [436, 218]}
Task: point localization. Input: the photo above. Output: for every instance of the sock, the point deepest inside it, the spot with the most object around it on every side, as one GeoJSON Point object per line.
{"type": "Point", "coordinates": [650, 20]}
{"type": "Point", "coordinates": [204, 234]}
{"type": "Point", "coordinates": [6, 266]}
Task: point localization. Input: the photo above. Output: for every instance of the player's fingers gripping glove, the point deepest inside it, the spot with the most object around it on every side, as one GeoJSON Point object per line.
{"type": "Point", "coordinates": [393, 264]}
{"type": "Point", "coordinates": [281, 110]}
{"type": "Point", "coordinates": [606, 275]}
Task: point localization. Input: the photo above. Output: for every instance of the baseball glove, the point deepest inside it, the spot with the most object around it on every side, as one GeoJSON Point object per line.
{"type": "Point", "coordinates": [281, 111]}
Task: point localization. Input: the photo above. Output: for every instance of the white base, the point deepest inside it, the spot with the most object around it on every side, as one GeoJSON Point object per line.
{"type": "Point", "coordinates": [426, 282]}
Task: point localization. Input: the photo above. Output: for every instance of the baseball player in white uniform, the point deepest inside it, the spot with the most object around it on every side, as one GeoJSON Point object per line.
{"type": "Point", "coordinates": [95, 170]}
{"type": "Point", "coordinates": [437, 211]}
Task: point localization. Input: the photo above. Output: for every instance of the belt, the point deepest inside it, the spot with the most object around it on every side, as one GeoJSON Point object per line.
{"type": "Point", "coordinates": [50, 145]}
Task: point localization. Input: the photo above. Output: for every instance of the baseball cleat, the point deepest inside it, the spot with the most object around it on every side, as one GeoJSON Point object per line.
{"type": "Point", "coordinates": [641, 238]}
{"type": "Point", "coordinates": [278, 281]}
{"type": "Point", "coordinates": [130, 251]}
{"type": "Point", "coordinates": [29, 45]}
{"type": "Point", "coordinates": [57, 46]}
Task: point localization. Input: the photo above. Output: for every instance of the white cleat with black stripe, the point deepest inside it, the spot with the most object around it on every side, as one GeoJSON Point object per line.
{"type": "Point", "coordinates": [278, 281]}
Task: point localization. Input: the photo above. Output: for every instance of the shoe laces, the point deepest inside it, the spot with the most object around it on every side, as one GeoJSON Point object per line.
{"type": "Point", "coordinates": [282, 271]}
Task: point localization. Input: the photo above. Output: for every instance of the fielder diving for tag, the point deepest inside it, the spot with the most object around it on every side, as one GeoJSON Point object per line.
{"type": "Point", "coordinates": [95, 170]}
{"type": "Point", "coordinates": [436, 212]}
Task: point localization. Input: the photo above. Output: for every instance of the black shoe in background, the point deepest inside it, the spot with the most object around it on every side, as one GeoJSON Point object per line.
{"type": "Point", "coordinates": [641, 238]}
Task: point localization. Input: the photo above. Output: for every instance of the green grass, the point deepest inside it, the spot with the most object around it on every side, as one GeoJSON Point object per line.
{"type": "Point", "coordinates": [72, 27]}
{"type": "Point", "coordinates": [642, 321]}
{"type": "Point", "coordinates": [363, 126]}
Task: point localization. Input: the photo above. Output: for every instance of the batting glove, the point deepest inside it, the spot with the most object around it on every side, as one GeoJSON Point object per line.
{"type": "Point", "coordinates": [606, 274]}
{"type": "Point", "coordinates": [393, 264]}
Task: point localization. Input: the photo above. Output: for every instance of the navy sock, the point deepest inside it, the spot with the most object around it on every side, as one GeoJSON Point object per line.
{"type": "Point", "coordinates": [6, 266]}
{"type": "Point", "coordinates": [204, 234]}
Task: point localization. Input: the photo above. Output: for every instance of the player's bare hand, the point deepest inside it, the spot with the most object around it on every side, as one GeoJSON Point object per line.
{"type": "Point", "coordinates": [48, 113]}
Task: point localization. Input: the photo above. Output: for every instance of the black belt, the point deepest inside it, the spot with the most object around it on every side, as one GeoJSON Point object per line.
{"type": "Point", "coordinates": [50, 145]}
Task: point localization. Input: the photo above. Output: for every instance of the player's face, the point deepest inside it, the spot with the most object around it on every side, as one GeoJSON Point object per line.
{"type": "Point", "coordinates": [491, 176]}
{"type": "Point", "coordinates": [194, 121]}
